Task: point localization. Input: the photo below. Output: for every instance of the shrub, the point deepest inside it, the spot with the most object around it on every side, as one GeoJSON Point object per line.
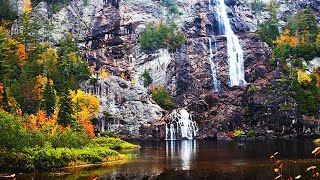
{"type": "Point", "coordinates": [147, 79]}
{"type": "Point", "coordinates": [107, 134]}
{"type": "Point", "coordinates": [161, 36]}
{"type": "Point", "coordinates": [12, 134]}
{"type": "Point", "coordinates": [47, 157]}
{"type": "Point", "coordinates": [268, 33]}
{"type": "Point", "coordinates": [252, 133]}
{"type": "Point", "coordinates": [107, 116]}
{"type": "Point", "coordinates": [253, 88]}
{"type": "Point", "coordinates": [162, 98]}
{"type": "Point", "coordinates": [69, 139]}
{"type": "Point", "coordinates": [238, 132]}
{"type": "Point", "coordinates": [230, 134]}
{"type": "Point", "coordinates": [112, 143]}
{"type": "Point", "coordinates": [307, 96]}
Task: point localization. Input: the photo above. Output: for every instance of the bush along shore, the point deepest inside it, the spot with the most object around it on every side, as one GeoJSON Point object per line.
{"type": "Point", "coordinates": [24, 150]}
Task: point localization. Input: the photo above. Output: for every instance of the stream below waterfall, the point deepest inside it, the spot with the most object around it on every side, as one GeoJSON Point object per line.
{"type": "Point", "coordinates": [195, 159]}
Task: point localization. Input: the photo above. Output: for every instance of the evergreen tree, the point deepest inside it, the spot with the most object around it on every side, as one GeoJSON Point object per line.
{"type": "Point", "coordinates": [147, 79]}
{"type": "Point", "coordinates": [305, 23]}
{"type": "Point", "coordinates": [49, 99]}
{"type": "Point", "coordinates": [65, 108]}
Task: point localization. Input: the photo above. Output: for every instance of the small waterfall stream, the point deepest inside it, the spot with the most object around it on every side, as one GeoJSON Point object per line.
{"type": "Point", "coordinates": [212, 65]}
{"type": "Point", "coordinates": [234, 50]}
{"type": "Point", "coordinates": [181, 126]}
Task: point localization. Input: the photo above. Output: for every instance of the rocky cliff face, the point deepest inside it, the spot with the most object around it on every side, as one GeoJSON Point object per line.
{"type": "Point", "coordinates": [109, 34]}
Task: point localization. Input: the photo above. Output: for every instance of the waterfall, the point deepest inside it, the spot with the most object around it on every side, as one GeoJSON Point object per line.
{"type": "Point", "coordinates": [234, 50]}
{"type": "Point", "coordinates": [212, 65]}
{"type": "Point", "coordinates": [181, 126]}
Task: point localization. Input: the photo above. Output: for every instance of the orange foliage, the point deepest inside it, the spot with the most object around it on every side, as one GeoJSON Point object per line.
{"type": "Point", "coordinates": [88, 127]}
{"type": "Point", "coordinates": [92, 69]}
{"type": "Point", "coordinates": [230, 134]}
{"type": "Point", "coordinates": [22, 54]}
{"type": "Point", "coordinates": [287, 39]}
{"type": "Point", "coordinates": [317, 73]}
{"type": "Point", "coordinates": [41, 121]}
{"type": "Point", "coordinates": [1, 91]}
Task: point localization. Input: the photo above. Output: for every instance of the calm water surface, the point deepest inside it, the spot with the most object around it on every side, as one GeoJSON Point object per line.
{"type": "Point", "coordinates": [198, 160]}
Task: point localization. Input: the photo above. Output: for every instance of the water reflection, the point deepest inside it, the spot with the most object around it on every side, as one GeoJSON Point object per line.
{"type": "Point", "coordinates": [185, 151]}
{"type": "Point", "coordinates": [191, 159]}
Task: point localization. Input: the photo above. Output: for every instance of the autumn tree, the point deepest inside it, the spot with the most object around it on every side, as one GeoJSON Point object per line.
{"type": "Point", "coordinates": [86, 106]}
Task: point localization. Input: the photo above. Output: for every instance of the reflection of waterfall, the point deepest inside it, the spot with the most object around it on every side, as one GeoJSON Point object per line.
{"type": "Point", "coordinates": [181, 126]}
{"type": "Point", "coordinates": [185, 150]}
{"type": "Point", "coordinates": [212, 65]}
{"type": "Point", "coordinates": [234, 50]}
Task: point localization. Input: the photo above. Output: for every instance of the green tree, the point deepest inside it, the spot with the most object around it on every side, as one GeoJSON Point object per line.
{"type": "Point", "coordinates": [49, 99]}
{"type": "Point", "coordinates": [65, 115]}
{"type": "Point", "coordinates": [268, 33]}
{"type": "Point", "coordinates": [8, 11]}
{"type": "Point", "coordinates": [161, 96]}
{"type": "Point", "coordinates": [272, 9]}
{"type": "Point", "coordinates": [147, 79]}
{"type": "Point", "coordinates": [305, 23]}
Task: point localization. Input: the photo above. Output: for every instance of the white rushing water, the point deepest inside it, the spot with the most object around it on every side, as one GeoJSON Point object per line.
{"type": "Point", "coordinates": [181, 126]}
{"type": "Point", "coordinates": [234, 50]}
{"type": "Point", "coordinates": [212, 65]}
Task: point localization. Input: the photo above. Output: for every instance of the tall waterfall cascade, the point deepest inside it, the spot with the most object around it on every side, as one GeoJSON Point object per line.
{"type": "Point", "coordinates": [212, 65]}
{"type": "Point", "coordinates": [234, 50]}
{"type": "Point", "coordinates": [181, 126]}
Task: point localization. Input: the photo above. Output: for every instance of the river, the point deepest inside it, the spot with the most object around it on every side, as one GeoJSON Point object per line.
{"type": "Point", "coordinates": [192, 159]}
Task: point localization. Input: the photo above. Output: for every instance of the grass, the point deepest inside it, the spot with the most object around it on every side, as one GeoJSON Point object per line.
{"type": "Point", "coordinates": [47, 157]}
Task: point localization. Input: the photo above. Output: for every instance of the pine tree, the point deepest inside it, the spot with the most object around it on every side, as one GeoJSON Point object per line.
{"type": "Point", "coordinates": [65, 108]}
{"type": "Point", "coordinates": [49, 99]}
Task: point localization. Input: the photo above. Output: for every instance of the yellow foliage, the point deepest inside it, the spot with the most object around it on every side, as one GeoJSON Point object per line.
{"type": "Point", "coordinates": [122, 75]}
{"type": "Point", "coordinates": [27, 8]}
{"type": "Point", "coordinates": [86, 105]}
{"type": "Point", "coordinates": [4, 31]}
{"type": "Point", "coordinates": [91, 69]}
{"type": "Point", "coordinates": [318, 39]}
{"type": "Point", "coordinates": [49, 59]}
{"type": "Point", "coordinates": [73, 57]}
{"type": "Point", "coordinates": [104, 74]}
{"type": "Point", "coordinates": [303, 78]}
{"type": "Point", "coordinates": [13, 42]}
{"type": "Point", "coordinates": [22, 54]}
{"type": "Point", "coordinates": [39, 86]}
{"type": "Point", "coordinates": [287, 39]}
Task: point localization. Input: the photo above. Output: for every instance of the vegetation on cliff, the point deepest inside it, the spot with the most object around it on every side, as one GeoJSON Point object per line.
{"type": "Point", "coordinates": [293, 50]}
{"type": "Point", "coordinates": [157, 36]}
